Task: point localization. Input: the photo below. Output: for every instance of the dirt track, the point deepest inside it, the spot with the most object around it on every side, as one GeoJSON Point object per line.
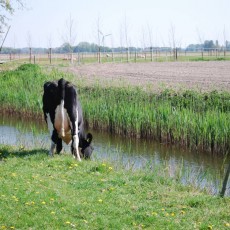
{"type": "Point", "coordinates": [198, 75]}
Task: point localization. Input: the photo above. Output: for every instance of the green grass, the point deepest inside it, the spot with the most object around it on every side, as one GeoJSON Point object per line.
{"type": "Point", "coordinates": [40, 192]}
{"type": "Point", "coordinates": [22, 88]}
{"type": "Point", "coordinates": [189, 118]}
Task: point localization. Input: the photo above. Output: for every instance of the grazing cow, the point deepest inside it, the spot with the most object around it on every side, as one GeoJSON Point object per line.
{"type": "Point", "coordinates": [63, 114]}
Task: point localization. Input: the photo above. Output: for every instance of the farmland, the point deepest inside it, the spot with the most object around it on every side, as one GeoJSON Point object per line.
{"type": "Point", "coordinates": [204, 76]}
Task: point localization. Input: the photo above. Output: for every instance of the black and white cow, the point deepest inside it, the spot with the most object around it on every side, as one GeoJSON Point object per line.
{"type": "Point", "coordinates": [63, 114]}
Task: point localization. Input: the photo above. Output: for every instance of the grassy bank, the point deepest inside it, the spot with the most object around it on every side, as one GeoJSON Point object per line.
{"type": "Point", "coordinates": [191, 119]}
{"type": "Point", "coordinates": [59, 193]}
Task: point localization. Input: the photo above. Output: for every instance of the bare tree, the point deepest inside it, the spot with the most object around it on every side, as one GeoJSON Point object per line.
{"type": "Point", "coordinates": [150, 32]}
{"type": "Point", "coordinates": [49, 41]}
{"type": "Point", "coordinates": [98, 31]}
{"type": "Point", "coordinates": [4, 38]}
{"type": "Point", "coordinates": [172, 36]}
{"type": "Point", "coordinates": [7, 8]}
{"type": "Point", "coordinates": [172, 39]}
{"type": "Point", "coordinates": [101, 36]}
{"type": "Point", "coordinates": [143, 43]}
{"type": "Point", "coordinates": [143, 39]}
{"type": "Point", "coordinates": [121, 40]}
{"type": "Point", "coordinates": [98, 37]}
{"type": "Point", "coordinates": [127, 41]}
{"type": "Point", "coordinates": [29, 44]}
{"type": "Point", "coordinates": [126, 31]}
{"type": "Point", "coordinates": [69, 36]}
{"type": "Point", "coordinates": [225, 41]}
{"type": "Point", "coordinates": [150, 41]}
{"type": "Point", "coordinates": [29, 39]}
{"type": "Point", "coordinates": [201, 41]}
{"type": "Point", "coordinates": [49, 46]}
{"type": "Point", "coordinates": [121, 35]}
{"type": "Point", "coordinates": [200, 36]}
{"type": "Point", "coordinates": [173, 42]}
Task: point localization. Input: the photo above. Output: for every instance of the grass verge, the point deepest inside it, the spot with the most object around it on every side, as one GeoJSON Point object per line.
{"type": "Point", "coordinates": [39, 192]}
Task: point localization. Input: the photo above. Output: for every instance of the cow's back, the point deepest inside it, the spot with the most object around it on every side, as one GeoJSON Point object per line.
{"type": "Point", "coordinates": [50, 97]}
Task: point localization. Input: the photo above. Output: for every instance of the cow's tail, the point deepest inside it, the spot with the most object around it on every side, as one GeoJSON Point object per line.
{"type": "Point", "coordinates": [61, 87]}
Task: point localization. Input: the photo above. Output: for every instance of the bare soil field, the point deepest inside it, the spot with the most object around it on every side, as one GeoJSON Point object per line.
{"type": "Point", "coordinates": [205, 76]}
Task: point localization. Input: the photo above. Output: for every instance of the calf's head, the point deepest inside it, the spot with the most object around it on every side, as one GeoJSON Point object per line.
{"type": "Point", "coordinates": [87, 148]}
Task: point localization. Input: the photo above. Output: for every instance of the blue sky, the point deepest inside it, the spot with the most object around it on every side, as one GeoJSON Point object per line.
{"type": "Point", "coordinates": [143, 22]}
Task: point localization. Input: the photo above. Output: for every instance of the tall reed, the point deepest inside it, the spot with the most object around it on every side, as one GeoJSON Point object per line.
{"type": "Point", "coordinates": [194, 120]}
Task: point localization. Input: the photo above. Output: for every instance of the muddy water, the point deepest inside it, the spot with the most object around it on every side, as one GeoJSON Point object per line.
{"type": "Point", "coordinates": [199, 169]}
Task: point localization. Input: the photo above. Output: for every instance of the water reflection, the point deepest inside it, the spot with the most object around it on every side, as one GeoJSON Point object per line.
{"type": "Point", "coordinates": [202, 170]}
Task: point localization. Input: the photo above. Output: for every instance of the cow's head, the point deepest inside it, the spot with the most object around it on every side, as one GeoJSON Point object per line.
{"type": "Point", "coordinates": [87, 148]}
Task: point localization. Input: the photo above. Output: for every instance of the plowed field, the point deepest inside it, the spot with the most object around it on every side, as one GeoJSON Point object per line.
{"type": "Point", "coordinates": [179, 75]}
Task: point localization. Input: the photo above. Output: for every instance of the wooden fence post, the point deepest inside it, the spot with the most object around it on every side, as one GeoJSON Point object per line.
{"type": "Point", "coordinates": [127, 49]}
{"type": "Point", "coordinates": [151, 50]}
{"type": "Point", "coordinates": [156, 54]}
{"type": "Point", "coordinates": [30, 55]}
{"type": "Point", "coordinates": [50, 55]}
{"type": "Point", "coordinates": [225, 181]}
{"type": "Point", "coordinates": [78, 57]}
{"type": "Point", "coordinates": [99, 54]}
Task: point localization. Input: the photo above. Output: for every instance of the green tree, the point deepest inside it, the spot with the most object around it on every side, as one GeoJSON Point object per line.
{"type": "Point", "coordinates": [65, 48]}
{"type": "Point", "coordinates": [208, 45]}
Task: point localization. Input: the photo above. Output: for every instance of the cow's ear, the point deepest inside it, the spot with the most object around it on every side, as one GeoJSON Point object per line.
{"type": "Point", "coordinates": [89, 138]}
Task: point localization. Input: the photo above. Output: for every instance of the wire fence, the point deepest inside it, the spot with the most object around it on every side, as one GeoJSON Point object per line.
{"type": "Point", "coordinates": [150, 55]}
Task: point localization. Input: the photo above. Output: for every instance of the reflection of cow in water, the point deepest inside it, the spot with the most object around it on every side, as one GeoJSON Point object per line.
{"type": "Point", "coordinates": [63, 114]}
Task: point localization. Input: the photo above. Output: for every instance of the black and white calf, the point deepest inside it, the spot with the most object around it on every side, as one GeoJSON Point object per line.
{"type": "Point", "coordinates": [63, 114]}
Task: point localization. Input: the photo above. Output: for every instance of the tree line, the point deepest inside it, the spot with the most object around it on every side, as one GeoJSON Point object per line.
{"type": "Point", "coordinates": [208, 45]}
{"type": "Point", "coordinates": [93, 48]}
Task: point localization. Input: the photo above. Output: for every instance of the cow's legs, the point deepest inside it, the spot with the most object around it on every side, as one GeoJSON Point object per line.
{"type": "Point", "coordinates": [52, 148]}
{"type": "Point", "coordinates": [53, 134]}
{"type": "Point", "coordinates": [59, 145]}
{"type": "Point", "coordinates": [75, 138]}
{"type": "Point", "coordinates": [74, 147]}
{"type": "Point", "coordinates": [54, 139]}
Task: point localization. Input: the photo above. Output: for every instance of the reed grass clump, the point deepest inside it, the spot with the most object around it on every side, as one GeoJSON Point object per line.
{"type": "Point", "coordinates": [22, 88]}
{"type": "Point", "coordinates": [192, 119]}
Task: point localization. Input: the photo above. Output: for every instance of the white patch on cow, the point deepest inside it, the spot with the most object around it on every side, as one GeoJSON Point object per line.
{"type": "Point", "coordinates": [76, 138]}
{"type": "Point", "coordinates": [75, 146]}
{"type": "Point", "coordinates": [76, 121]}
{"type": "Point", "coordinates": [61, 121]}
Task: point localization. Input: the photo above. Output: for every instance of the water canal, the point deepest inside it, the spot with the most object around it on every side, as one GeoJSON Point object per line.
{"type": "Point", "coordinates": [199, 169]}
